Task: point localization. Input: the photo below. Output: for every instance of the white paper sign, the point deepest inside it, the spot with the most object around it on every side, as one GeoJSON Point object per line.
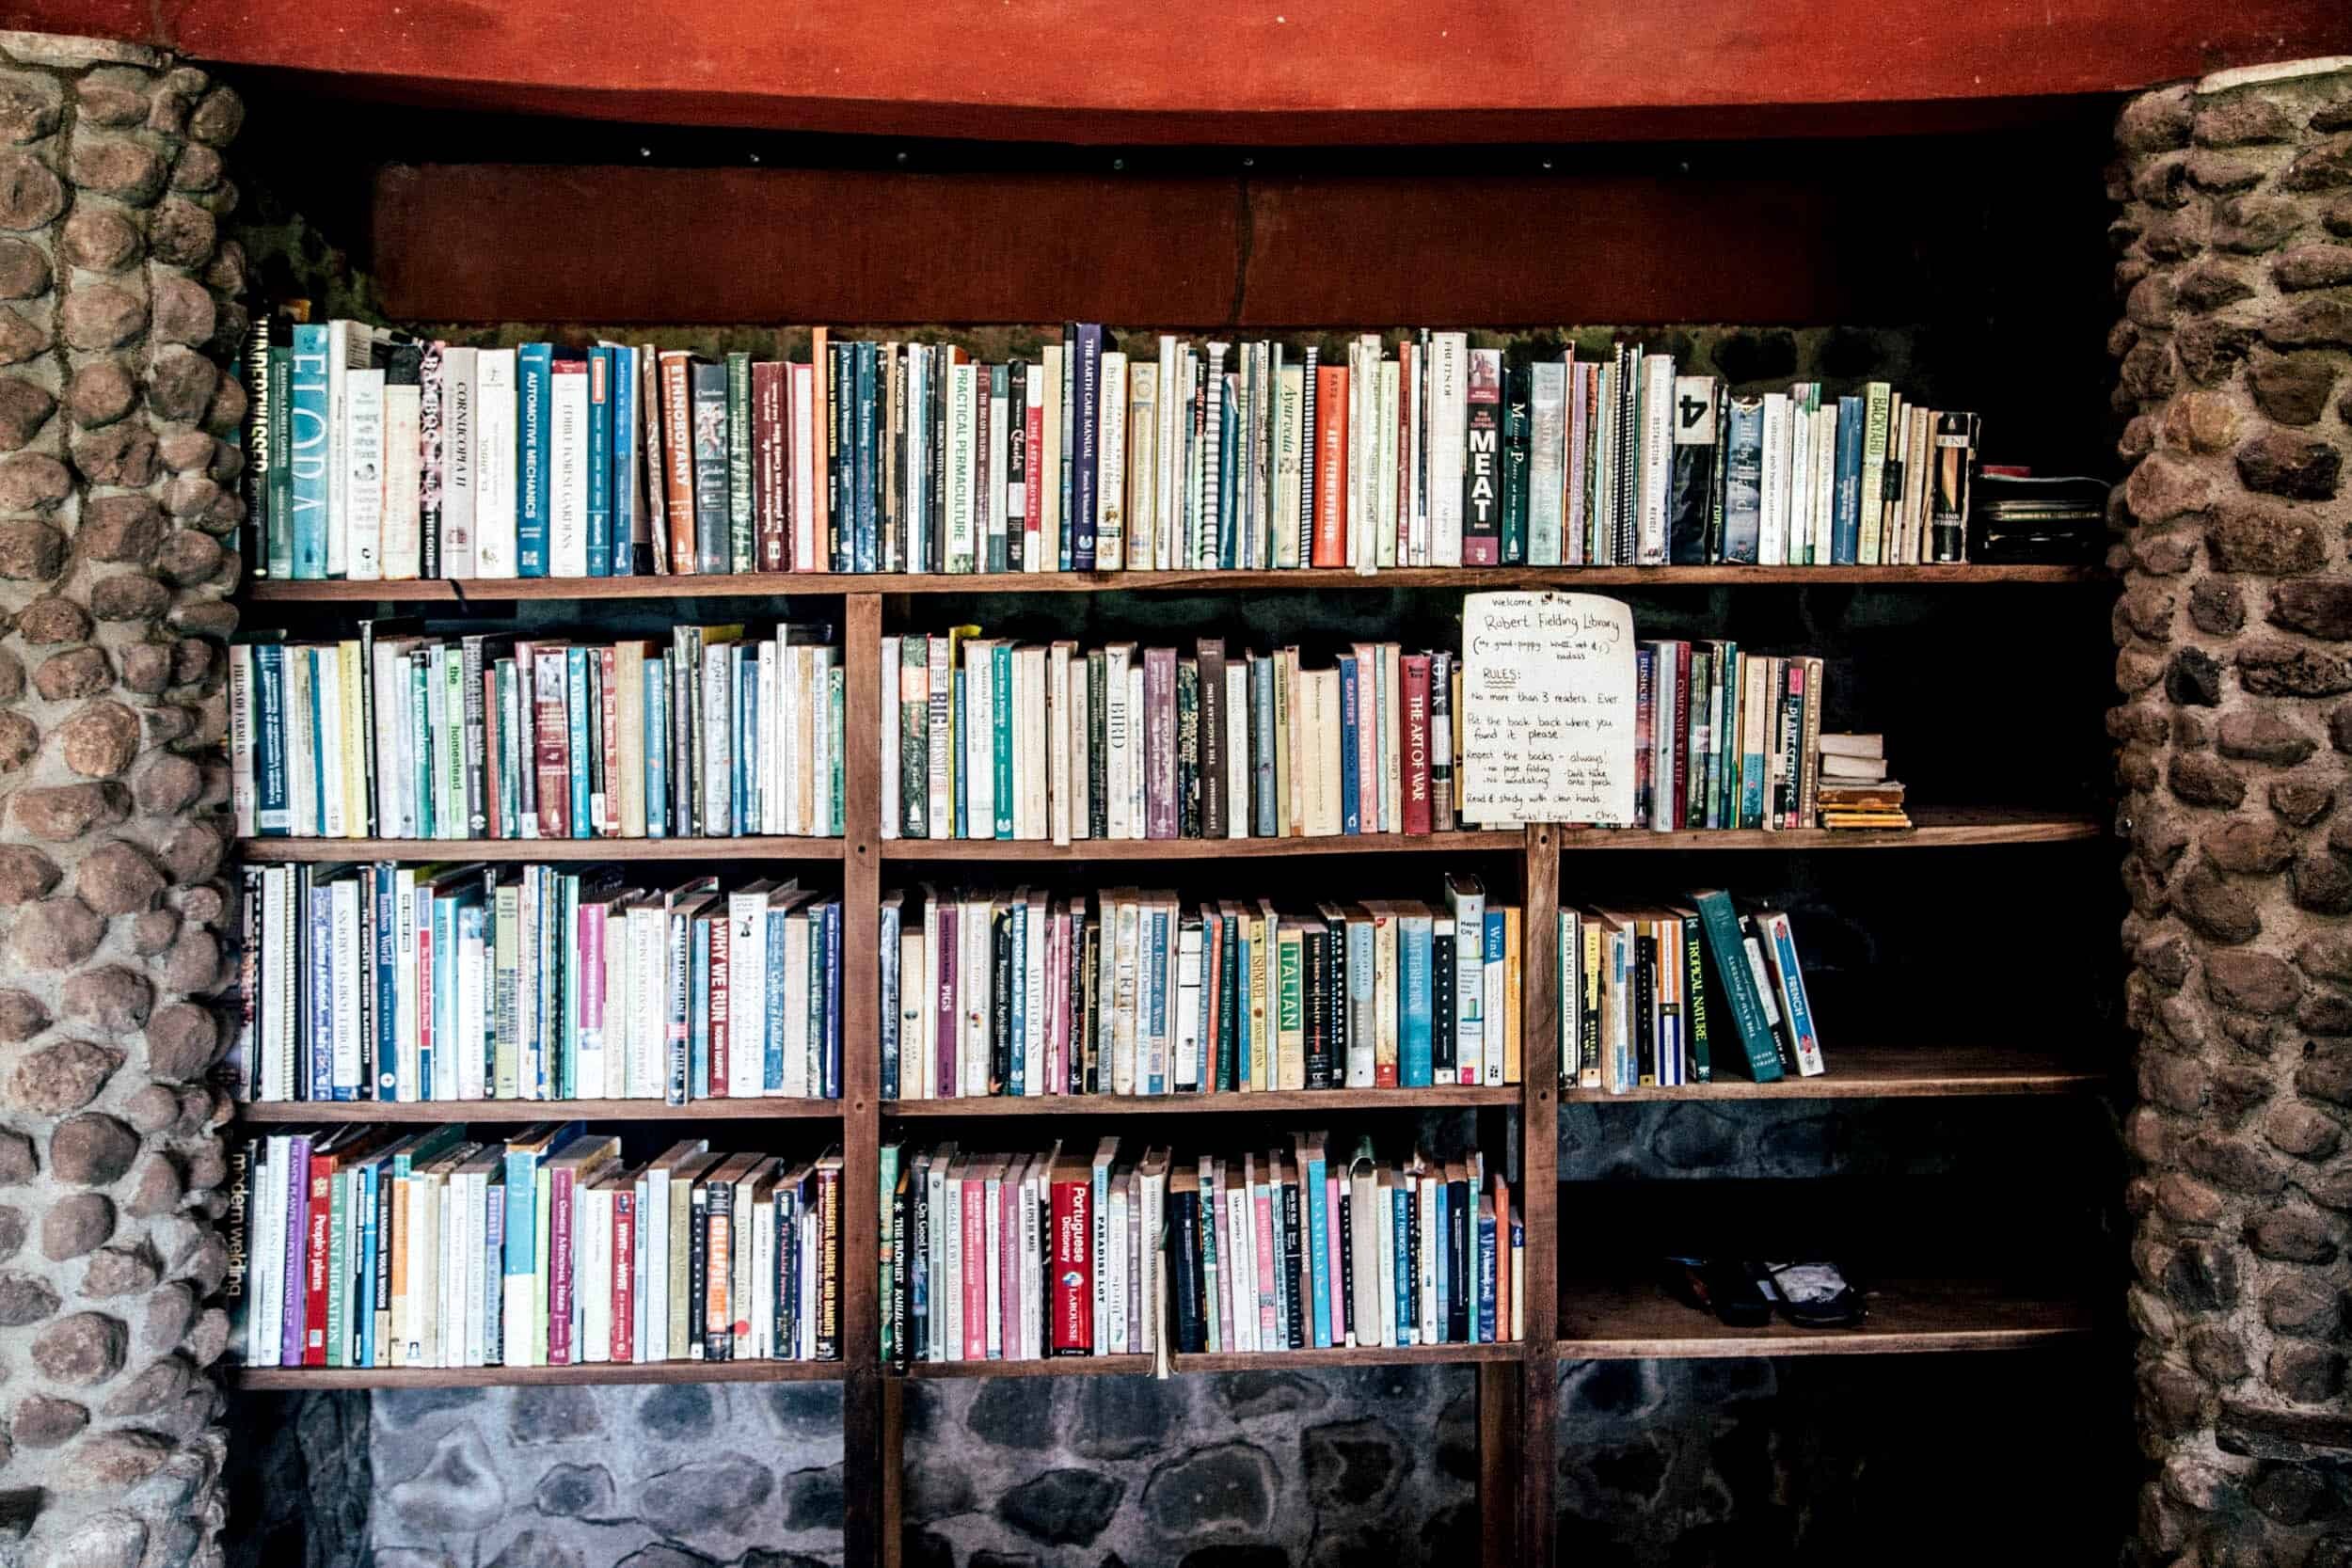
{"type": "Point", "coordinates": [1548, 680]}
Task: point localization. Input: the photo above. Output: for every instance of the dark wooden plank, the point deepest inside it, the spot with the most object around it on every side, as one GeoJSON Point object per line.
{"type": "Point", "coordinates": [1893, 1072]}
{"type": "Point", "coordinates": [862, 1420]}
{"type": "Point", "coordinates": [764, 584]}
{"type": "Point", "coordinates": [1500, 1463]}
{"type": "Point", "coordinates": [890, 1472]}
{"type": "Point", "coordinates": [277, 1111]}
{"type": "Point", "coordinates": [312, 1378]}
{"type": "Point", "coordinates": [1539, 1190]}
{"type": "Point", "coordinates": [554, 850]}
{"type": "Point", "coordinates": [1225, 71]}
{"type": "Point", "coordinates": [1263, 1102]}
{"type": "Point", "coordinates": [1088, 851]}
{"type": "Point", "coordinates": [1933, 827]}
{"type": "Point", "coordinates": [1350, 1355]}
{"type": "Point", "coordinates": [1054, 1365]}
{"type": "Point", "coordinates": [1627, 1320]}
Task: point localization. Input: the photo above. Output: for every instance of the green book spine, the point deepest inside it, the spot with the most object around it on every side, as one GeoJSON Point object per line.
{"type": "Point", "coordinates": [740, 546]}
{"type": "Point", "coordinates": [1719, 926]}
{"type": "Point", "coordinates": [888, 1278]}
{"type": "Point", "coordinates": [338, 1265]}
{"type": "Point", "coordinates": [279, 478]}
{"type": "Point", "coordinates": [1000, 657]}
{"type": "Point", "coordinates": [915, 742]}
{"type": "Point", "coordinates": [1695, 1001]}
{"type": "Point", "coordinates": [832, 710]}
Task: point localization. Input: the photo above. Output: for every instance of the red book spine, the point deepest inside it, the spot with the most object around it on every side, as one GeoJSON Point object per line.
{"type": "Point", "coordinates": [1792, 718]}
{"type": "Point", "coordinates": [424, 983]}
{"type": "Point", "coordinates": [320, 1243]}
{"type": "Point", "coordinates": [1033, 500]}
{"type": "Point", "coordinates": [974, 1268]}
{"type": "Point", "coordinates": [719, 1001]}
{"type": "Point", "coordinates": [553, 744]}
{"type": "Point", "coordinates": [1074, 1264]}
{"type": "Point", "coordinates": [1330, 537]}
{"type": "Point", "coordinates": [772, 491]}
{"type": "Point", "coordinates": [677, 459]}
{"type": "Point", "coordinates": [1682, 735]}
{"type": "Point", "coordinates": [623, 1275]}
{"type": "Point", "coordinates": [1416, 667]}
{"type": "Point", "coordinates": [560, 1267]}
{"type": "Point", "coordinates": [609, 683]}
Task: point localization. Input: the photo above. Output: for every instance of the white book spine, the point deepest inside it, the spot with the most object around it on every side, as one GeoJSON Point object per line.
{"type": "Point", "coordinates": [404, 477]}
{"type": "Point", "coordinates": [241, 746]}
{"type": "Point", "coordinates": [1449, 407]}
{"type": "Point", "coordinates": [345, 919]}
{"type": "Point", "coordinates": [1118, 743]}
{"type": "Point", "coordinates": [494, 465]}
{"type": "Point", "coordinates": [460, 473]}
{"type": "Point", "coordinates": [1799, 507]}
{"type": "Point", "coordinates": [363, 474]}
{"type": "Point", "coordinates": [568, 472]}
{"type": "Point", "coordinates": [1110, 483]}
{"type": "Point", "coordinates": [962, 436]}
{"type": "Point", "coordinates": [1384, 464]}
{"type": "Point", "coordinates": [1772, 538]}
{"type": "Point", "coordinates": [803, 471]}
{"type": "Point", "coordinates": [1657, 457]}
{"type": "Point", "coordinates": [747, 983]}
{"type": "Point", "coordinates": [1058, 783]}
{"type": "Point", "coordinates": [1237, 749]}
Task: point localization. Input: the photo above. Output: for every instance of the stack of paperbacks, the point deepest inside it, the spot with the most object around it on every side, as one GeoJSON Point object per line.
{"type": "Point", "coordinates": [1855, 791]}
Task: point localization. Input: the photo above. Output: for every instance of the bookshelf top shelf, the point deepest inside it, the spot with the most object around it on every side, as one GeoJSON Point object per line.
{"type": "Point", "coordinates": [1625, 1321]}
{"type": "Point", "coordinates": [769, 584]}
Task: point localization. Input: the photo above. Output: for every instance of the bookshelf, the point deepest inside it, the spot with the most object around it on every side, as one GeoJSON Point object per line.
{"type": "Point", "coordinates": [1569, 1316]}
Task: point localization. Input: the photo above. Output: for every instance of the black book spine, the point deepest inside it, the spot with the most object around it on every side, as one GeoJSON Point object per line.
{"type": "Point", "coordinates": [1185, 1208]}
{"type": "Point", "coordinates": [1343, 1309]}
{"type": "Point", "coordinates": [1090, 1014]}
{"type": "Point", "coordinates": [1457, 1270]}
{"type": "Point", "coordinates": [253, 478]}
{"type": "Point", "coordinates": [1441, 746]}
{"type": "Point", "coordinates": [1414, 1242]}
{"type": "Point", "coordinates": [721, 1346]}
{"type": "Point", "coordinates": [1212, 762]}
{"type": "Point", "coordinates": [1335, 999]}
{"type": "Point", "coordinates": [1694, 1002]}
{"type": "Point", "coordinates": [1442, 958]}
{"type": "Point", "coordinates": [1645, 1008]}
{"type": "Point", "coordinates": [1187, 749]}
{"type": "Point", "coordinates": [697, 1270]}
{"type": "Point", "coordinates": [1228, 1005]}
{"type": "Point", "coordinates": [1000, 1002]}
{"type": "Point", "coordinates": [897, 1305]}
{"type": "Point", "coordinates": [1314, 985]}
{"type": "Point", "coordinates": [1098, 760]}
{"type": "Point", "coordinates": [1290, 1263]}
{"type": "Point", "coordinates": [917, 1340]}
{"type": "Point", "coordinates": [1017, 465]}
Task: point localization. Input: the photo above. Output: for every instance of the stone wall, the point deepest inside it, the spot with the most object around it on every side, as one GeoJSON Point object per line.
{"type": "Point", "coordinates": [2236, 632]}
{"type": "Point", "coordinates": [116, 310]}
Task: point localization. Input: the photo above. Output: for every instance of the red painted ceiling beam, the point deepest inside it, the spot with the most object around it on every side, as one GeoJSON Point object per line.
{"type": "Point", "coordinates": [1236, 71]}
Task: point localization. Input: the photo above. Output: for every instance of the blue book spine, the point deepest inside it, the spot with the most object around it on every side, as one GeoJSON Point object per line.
{"type": "Point", "coordinates": [273, 813]}
{"type": "Point", "coordinates": [1319, 1248]}
{"type": "Point", "coordinates": [1743, 479]}
{"type": "Point", "coordinates": [1017, 1081]}
{"type": "Point", "coordinates": [1846, 522]}
{"type": "Point", "coordinates": [1157, 1079]}
{"type": "Point", "coordinates": [1497, 940]}
{"type": "Point", "coordinates": [627, 475]}
{"type": "Point", "coordinates": [1351, 777]}
{"type": "Point", "coordinates": [577, 730]}
{"type": "Point", "coordinates": [868, 439]}
{"type": "Point", "coordinates": [446, 1046]}
{"type": "Point", "coordinates": [1441, 1259]}
{"type": "Point", "coordinates": [657, 748]}
{"type": "Point", "coordinates": [420, 747]}
{"type": "Point", "coordinates": [1413, 938]}
{"type": "Point", "coordinates": [307, 451]}
{"type": "Point", "coordinates": [833, 1002]}
{"type": "Point", "coordinates": [387, 983]}
{"type": "Point", "coordinates": [474, 927]}
{"type": "Point", "coordinates": [322, 1085]}
{"type": "Point", "coordinates": [1488, 1329]}
{"type": "Point", "coordinates": [494, 1280]}
{"type": "Point", "coordinates": [1244, 1043]}
{"type": "Point", "coordinates": [1401, 1224]}
{"type": "Point", "coordinates": [601, 370]}
{"type": "Point", "coordinates": [1000, 682]}
{"type": "Point", "coordinates": [1229, 486]}
{"type": "Point", "coordinates": [535, 393]}
{"type": "Point", "coordinates": [363, 1299]}
{"type": "Point", "coordinates": [698, 1010]}
{"type": "Point", "coordinates": [771, 1035]}
{"type": "Point", "coordinates": [1266, 809]}
{"type": "Point", "coordinates": [1086, 422]}
{"type": "Point", "coordinates": [890, 1006]}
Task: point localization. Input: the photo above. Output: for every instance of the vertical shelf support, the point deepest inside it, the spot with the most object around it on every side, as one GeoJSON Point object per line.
{"type": "Point", "coordinates": [1539, 1192]}
{"type": "Point", "coordinates": [869, 1446]}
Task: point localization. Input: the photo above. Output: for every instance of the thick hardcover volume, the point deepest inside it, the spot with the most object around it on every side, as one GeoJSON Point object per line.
{"type": "Point", "coordinates": [677, 457]}
{"type": "Point", "coordinates": [1732, 979]}
{"type": "Point", "coordinates": [1086, 429]}
{"type": "Point", "coordinates": [534, 403]}
{"type": "Point", "coordinates": [1518, 436]}
{"type": "Point", "coordinates": [1072, 1212]}
{"type": "Point", "coordinates": [1482, 460]}
{"type": "Point", "coordinates": [713, 552]}
{"type": "Point", "coordinates": [1955, 458]}
{"type": "Point", "coordinates": [1330, 478]}
{"type": "Point", "coordinates": [1743, 479]}
{"type": "Point", "coordinates": [771, 500]}
{"type": "Point", "coordinates": [306, 452]}
{"type": "Point", "coordinates": [741, 526]}
{"type": "Point", "coordinates": [1691, 483]}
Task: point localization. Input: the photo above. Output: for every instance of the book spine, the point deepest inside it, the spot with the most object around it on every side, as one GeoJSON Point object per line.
{"type": "Point", "coordinates": [1482, 460]}
{"type": "Point", "coordinates": [1086, 425]}
{"type": "Point", "coordinates": [713, 524]}
{"type": "Point", "coordinates": [535, 377]}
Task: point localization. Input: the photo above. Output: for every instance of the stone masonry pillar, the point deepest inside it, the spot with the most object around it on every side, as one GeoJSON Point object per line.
{"type": "Point", "coordinates": [2236, 669]}
{"type": "Point", "coordinates": [118, 316]}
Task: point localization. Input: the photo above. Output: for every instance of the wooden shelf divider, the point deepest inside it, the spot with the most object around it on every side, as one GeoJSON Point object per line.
{"type": "Point", "coordinates": [260, 1379]}
{"type": "Point", "coordinates": [281, 1112]}
{"type": "Point", "coordinates": [553, 850]}
{"type": "Point", "coordinates": [1284, 1102]}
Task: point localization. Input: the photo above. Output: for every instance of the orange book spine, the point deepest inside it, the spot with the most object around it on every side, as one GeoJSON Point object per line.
{"type": "Point", "coordinates": [677, 461]}
{"type": "Point", "coordinates": [1330, 538]}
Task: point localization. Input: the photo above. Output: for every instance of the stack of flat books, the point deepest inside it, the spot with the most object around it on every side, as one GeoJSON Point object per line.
{"type": "Point", "coordinates": [1855, 791]}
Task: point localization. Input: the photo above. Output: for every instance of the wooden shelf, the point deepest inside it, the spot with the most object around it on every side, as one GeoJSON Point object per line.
{"type": "Point", "coordinates": [420, 850]}
{"type": "Point", "coordinates": [1286, 1100]}
{"type": "Point", "coordinates": [1090, 850]}
{"type": "Point", "coordinates": [1626, 1321]}
{"type": "Point", "coordinates": [1053, 1366]}
{"type": "Point", "coordinates": [256, 1378]}
{"type": "Point", "coordinates": [517, 1111]}
{"type": "Point", "coordinates": [1888, 1073]}
{"type": "Point", "coordinates": [768, 584]}
{"type": "Point", "coordinates": [1360, 1356]}
{"type": "Point", "coordinates": [1932, 827]}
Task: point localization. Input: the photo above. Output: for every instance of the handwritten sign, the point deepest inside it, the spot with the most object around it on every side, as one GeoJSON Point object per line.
{"type": "Point", "coordinates": [1548, 681]}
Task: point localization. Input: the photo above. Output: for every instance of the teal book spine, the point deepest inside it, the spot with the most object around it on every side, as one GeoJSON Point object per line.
{"type": "Point", "coordinates": [657, 748]}
{"type": "Point", "coordinates": [577, 730]}
{"type": "Point", "coordinates": [1736, 985]}
{"type": "Point", "coordinates": [1414, 935]}
{"type": "Point", "coordinates": [836, 696]}
{"type": "Point", "coordinates": [307, 453]}
{"type": "Point", "coordinates": [535, 404]}
{"type": "Point", "coordinates": [1000, 657]}
{"type": "Point", "coordinates": [1319, 1246]}
{"type": "Point", "coordinates": [742, 548]}
{"type": "Point", "coordinates": [603, 388]}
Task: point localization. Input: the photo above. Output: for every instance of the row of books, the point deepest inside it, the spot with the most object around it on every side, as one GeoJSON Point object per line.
{"type": "Point", "coordinates": [1133, 991]}
{"type": "Point", "coordinates": [1724, 737]}
{"type": "Point", "coordinates": [457, 983]}
{"type": "Point", "coordinates": [395, 734]}
{"type": "Point", "coordinates": [993, 739]}
{"type": "Point", "coordinates": [371, 1247]}
{"type": "Point", "coordinates": [1018, 1256]}
{"type": "Point", "coordinates": [1674, 993]}
{"type": "Point", "coordinates": [383, 457]}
